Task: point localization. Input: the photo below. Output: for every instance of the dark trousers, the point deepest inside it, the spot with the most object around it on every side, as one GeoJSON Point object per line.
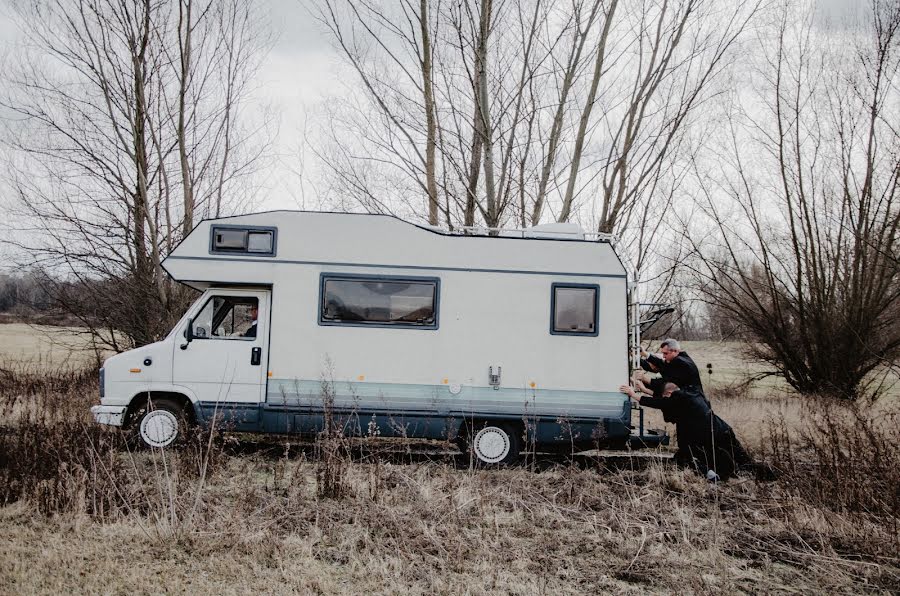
{"type": "Point", "coordinates": [724, 455]}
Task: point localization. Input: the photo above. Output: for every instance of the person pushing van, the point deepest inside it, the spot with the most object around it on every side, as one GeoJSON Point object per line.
{"type": "Point", "coordinates": [705, 442]}
{"type": "Point", "coordinates": [673, 364]}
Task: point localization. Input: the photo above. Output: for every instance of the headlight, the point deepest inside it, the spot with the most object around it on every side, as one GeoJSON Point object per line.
{"type": "Point", "coordinates": [102, 378]}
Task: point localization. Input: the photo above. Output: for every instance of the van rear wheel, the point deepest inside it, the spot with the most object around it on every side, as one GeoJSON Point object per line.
{"type": "Point", "coordinates": [495, 444]}
{"type": "Point", "coordinates": [161, 423]}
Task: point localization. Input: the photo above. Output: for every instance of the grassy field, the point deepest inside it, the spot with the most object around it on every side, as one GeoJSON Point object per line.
{"type": "Point", "coordinates": [45, 346]}
{"type": "Point", "coordinates": [82, 513]}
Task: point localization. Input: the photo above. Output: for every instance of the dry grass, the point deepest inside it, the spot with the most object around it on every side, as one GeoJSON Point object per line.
{"type": "Point", "coordinates": [45, 346]}
{"type": "Point", "coordinates": [436, 529]}
{"type": "Point", "coordinates": [84, 514]}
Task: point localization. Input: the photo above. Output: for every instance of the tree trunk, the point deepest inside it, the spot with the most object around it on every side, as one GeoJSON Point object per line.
{"type": "Point", "coordinates": [430, 121]}
{"type": "Point", "coordinates": [184, 47]}
{"type": "Point", "coordinates": [566, 210]}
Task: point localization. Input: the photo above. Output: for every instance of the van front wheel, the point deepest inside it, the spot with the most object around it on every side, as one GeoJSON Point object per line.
{"type": "Point", "coordinates": [495, 444]}
{"type": "Point", "coordinates": [162, 423]}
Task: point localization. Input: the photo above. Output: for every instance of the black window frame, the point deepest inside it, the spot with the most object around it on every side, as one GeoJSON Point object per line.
{"type": "Point", "coordinates": [245, 251]}
{"type": "Point", "coordinates": [325, 277]}
{"type": "Point", "coordinates": [574, 286]}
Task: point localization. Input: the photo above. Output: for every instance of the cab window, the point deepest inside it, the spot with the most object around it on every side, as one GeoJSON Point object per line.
{"type": "Point", "coordinates": [227, 317]}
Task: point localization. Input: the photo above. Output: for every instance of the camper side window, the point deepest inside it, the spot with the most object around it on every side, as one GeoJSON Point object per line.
{"type": "Point", "coordinates": [250, 240]}
{"type": "Point", "coordinates": [226, 317]}
{"type": "Point", "coordinates": [574, 309]}
{"type": "Point", "coordinates": [378, 301]}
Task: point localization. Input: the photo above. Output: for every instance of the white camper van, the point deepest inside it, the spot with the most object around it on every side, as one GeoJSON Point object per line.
{"type": "Point", "coordinates": [423, 333]}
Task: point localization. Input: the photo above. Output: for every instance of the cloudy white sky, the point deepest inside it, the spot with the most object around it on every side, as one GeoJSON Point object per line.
{"type": "Point", "coordinates": [300, 72]}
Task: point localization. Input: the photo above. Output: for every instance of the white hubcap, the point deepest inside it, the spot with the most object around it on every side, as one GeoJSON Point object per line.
{"type": "Point", "coordinates": [491, 444]}
{"type": "Point", "coordinates": [159, 428]}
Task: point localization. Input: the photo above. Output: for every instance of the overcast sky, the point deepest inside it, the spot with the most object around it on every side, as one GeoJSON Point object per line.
{"type": "Point", "coordinates": [301, 71]}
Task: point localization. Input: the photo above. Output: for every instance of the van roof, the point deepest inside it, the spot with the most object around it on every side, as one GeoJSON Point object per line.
{"type": "Point", "coordinates": [373, 241]}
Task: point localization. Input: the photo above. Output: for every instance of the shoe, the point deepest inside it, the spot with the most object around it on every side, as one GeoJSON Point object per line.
{"type": "Point", "coordinates": [712, 476]}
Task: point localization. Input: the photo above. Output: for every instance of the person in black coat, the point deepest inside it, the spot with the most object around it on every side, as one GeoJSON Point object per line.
{"type": "Point", "coordinates": [705, 442]}
{"type": "Point", "coordinates": [674, 365]}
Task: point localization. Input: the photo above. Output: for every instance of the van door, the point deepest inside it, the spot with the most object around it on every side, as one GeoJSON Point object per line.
{"type": "Point", "coordinates": [226, 361]}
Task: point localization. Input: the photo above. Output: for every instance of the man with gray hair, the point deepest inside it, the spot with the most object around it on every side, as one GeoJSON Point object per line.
{"type": "Point", "coordinates": [673, 364]}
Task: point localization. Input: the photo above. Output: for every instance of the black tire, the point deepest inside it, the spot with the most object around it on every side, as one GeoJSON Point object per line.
{"type": "Point", "coordinates": [161, 423]}
{"type": "Point", "coordinates": [493, 444]}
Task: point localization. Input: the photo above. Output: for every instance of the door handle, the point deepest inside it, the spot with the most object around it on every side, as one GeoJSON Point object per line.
{"type": "Point", "coordinates": [255, 356]}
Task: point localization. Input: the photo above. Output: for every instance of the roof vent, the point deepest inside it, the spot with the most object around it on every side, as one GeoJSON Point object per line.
{"type": "Point", "coordinates": [556, 230]}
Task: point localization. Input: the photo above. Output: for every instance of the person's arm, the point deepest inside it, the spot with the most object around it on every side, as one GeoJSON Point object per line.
{"type": "Point", "coordinates": [651, 401]}
{"type": "Point", "coordinates": [656, 361]}
{"type": "Point", "coordinates": [641, 388]}
{"type": "Point", "coordinates": [628, 390]}
{"type": "Point", "coordinates": [647, 366]}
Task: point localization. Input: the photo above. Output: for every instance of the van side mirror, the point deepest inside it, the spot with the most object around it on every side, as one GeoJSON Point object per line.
{"type": "Point", "coordinates": [188, 334]}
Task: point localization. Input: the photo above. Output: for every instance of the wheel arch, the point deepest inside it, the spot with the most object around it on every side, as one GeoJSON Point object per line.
{"type": "Point", "coordinates": [470, 425]}
{"type": "Point", "coordinates": [140, 400]}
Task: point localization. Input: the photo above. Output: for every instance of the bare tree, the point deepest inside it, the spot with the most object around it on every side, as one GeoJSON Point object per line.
{"type": "Point", "coordinates": [537, 109]}
{"type": "Point", "coordinates": [803, 255]}
{"type": "Point", "coordinates": [127, 128]}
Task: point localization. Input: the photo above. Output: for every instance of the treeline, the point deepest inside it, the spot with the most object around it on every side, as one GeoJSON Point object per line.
{"type": "Point", "coordinates": [23, 295]}
{"type": "Point", "coordinates": [118, 311]}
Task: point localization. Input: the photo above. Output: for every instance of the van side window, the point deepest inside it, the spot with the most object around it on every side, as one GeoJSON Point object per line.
{"type": "Point", "coordinates": [379, 301]}
{"type": "Point", "coordinates": [226, 317]}
{"type": "Point", "coordinates": [574, 309]}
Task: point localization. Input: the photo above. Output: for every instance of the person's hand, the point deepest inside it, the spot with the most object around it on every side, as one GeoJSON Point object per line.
{"type": "Point", "coordinates": [641, 387]}
{"type": "Point", "coordinates": [627, 390]}
{"type": "Point", "coordinates": [641, 376]}
{"type": "Point", "coordinates": [644, 353]}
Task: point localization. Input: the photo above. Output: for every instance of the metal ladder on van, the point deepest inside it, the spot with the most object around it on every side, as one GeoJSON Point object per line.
{"type": "Point", "coordinates": [641, 437]}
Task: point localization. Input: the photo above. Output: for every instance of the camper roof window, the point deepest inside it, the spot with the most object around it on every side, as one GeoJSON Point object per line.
{"type": "Point", "coordinates": [574, 309]}
{"type": "Point", "coordinates": [250, 240]}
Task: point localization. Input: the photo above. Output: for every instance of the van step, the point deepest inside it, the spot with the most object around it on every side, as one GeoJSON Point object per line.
{"type": "Point", "coordinates": [653, 437]}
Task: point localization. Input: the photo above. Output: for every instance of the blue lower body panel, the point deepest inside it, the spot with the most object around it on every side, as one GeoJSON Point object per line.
{"type": "Point", "coordinates": [580, 418]}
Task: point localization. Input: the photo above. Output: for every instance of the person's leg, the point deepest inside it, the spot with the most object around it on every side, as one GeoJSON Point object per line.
{"type": "Point", "coordinates": [742, 459]}
{"type": "Point", "coordinates": [701, 460]}
{"type": "Point", "coordinates": [724, 464]}
{"type": "Point", "coordinates": [683, 458]}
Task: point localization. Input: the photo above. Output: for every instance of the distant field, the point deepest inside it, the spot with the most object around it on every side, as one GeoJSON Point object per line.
{"type": "Point", "coordinates": [62, 345]}
{"type": "Point", "coordinates": [45, 345]}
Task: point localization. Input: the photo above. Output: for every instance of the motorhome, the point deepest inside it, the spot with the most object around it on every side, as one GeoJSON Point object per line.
{"type": "Point", "coordinates": [490, 338]}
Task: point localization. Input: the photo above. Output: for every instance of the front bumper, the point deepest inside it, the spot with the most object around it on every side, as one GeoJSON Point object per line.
{"type": "Point", "coordinates": [110, 415]}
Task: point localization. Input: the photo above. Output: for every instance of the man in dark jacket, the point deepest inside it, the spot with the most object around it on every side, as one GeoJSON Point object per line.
{"type": "Point", "coordinates": [705, 441]}
{"type": "Point", "coordinates": [674, 365]}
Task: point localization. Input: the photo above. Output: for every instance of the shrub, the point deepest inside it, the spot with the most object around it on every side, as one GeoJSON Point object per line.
{"type": "Point", "coordinates": [843, 459]}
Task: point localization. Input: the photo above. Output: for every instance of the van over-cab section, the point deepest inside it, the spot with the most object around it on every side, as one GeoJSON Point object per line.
{"type": "Point", "coordinates": [483, 339]}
